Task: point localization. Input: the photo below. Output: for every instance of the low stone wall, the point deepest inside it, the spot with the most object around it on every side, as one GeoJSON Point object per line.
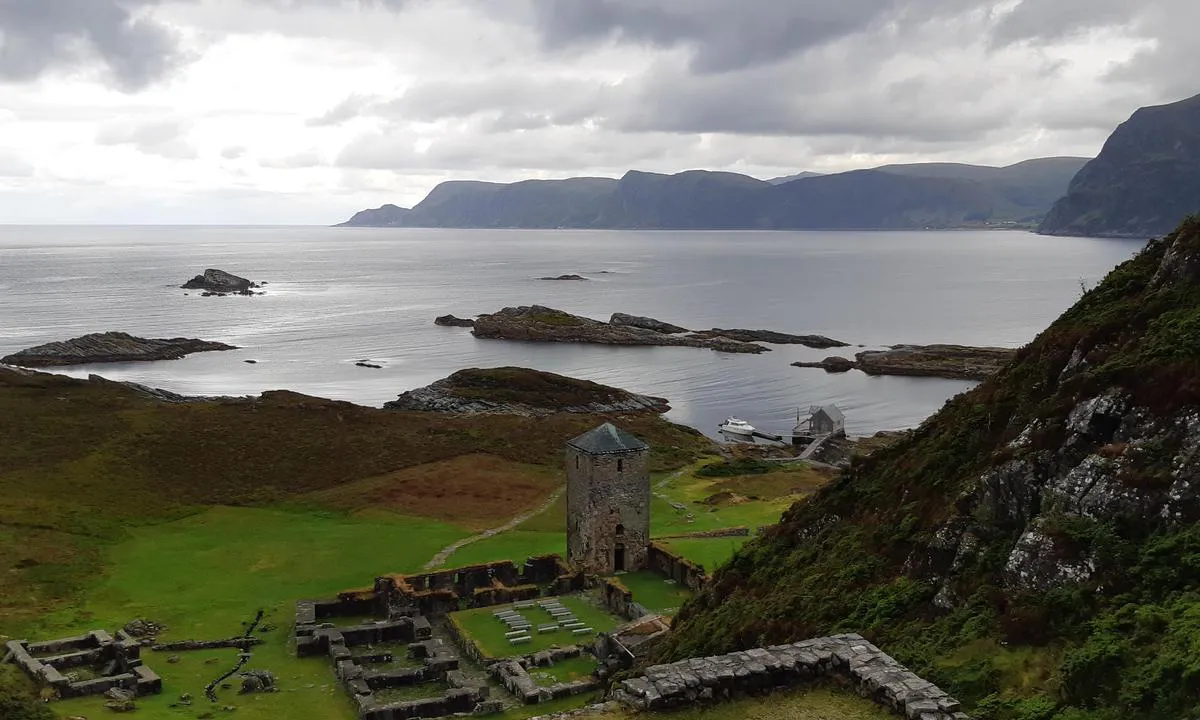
{"type": "Point", "coordinates": [361, 681]}
{"type": "Point", "coordinates": [237, 642]}
{"type": "Point", "coordinates": [514, 676]}
{"type": "Point", "coordinates": [848, 658]}
{"type": "Point", "coordinates": [676, 567]}
{"type": "Point", "coordinates": [705, 534]}
{"type": "Point", "coordinates": [441, 592]}
{"type": "Point", "coordinates": [51, 663]}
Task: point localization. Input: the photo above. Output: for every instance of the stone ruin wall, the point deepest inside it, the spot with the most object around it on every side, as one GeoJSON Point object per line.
{"type": "Point", "coordinates": [598, 499]}
{"type": "Point", "coordinates": [848, 659]}
{"type": "Point", "coordinates": [441, 592]}
{"type": "Point", "coordinates": [676, 567]}
{"type": "Point", "coordinates": [50, 663]}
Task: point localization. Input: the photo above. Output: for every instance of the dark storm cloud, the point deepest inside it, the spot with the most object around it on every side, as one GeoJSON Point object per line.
{"type": "Point", "coordinates": [37, 36]}
{"type": "Point", "coordinates": [725, 35]}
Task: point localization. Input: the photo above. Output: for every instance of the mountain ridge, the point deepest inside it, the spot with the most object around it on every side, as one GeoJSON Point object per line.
{"type": "Point", "coordinates": [891, 197]}
{"type": "Point", "coordinates": [1144, 181]}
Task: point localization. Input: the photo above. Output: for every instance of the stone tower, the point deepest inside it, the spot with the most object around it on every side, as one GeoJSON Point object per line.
{"type": "Point", "coordinates": [608, 501]}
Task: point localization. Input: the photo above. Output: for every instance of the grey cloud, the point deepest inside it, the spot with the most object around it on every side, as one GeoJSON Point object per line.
{"type": "Point", "coordinates": [164, 138]}
{"type": "Point", "coordinates": [13, 165]}
{"type": "Point", "coordinates": [37, 36]}
{"type": "Point", "coordinates": [294, 162]}
{"type": "Point", "coordinates": [723, 34]}
{"type": "Point", "coordinates": [233, 152]}
{"type": "Point", "coordinates": [559, 149]}
{"type": "Point", "coordinates": [348, 109]}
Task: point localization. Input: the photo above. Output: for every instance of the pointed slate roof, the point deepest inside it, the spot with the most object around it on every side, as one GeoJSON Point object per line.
{"type": "Point", "coordinates": [607, 438]}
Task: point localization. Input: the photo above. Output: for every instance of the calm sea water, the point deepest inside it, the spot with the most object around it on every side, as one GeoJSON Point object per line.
{"type": "Point", "coordinates": [339, 295]}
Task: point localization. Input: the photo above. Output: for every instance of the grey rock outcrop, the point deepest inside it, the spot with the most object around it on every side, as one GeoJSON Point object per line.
{"type": "Point", "coordinates": [219, 281]}
{"type": "Point", "coordinates": [776, 338]}
{"type": "Point", "coordinates": [452, 321]}
{"type": "Point", "coordinates": [646, 323]}
{"type": "Point", "coordinates": [831, 364]}
{"type": "Point", "coordinates": [520, 391]}
{"type": "Point", "coordinates": [946, 361]}
{"type": "Point", "coordinates": [537, 323]}
{"type": "Point", "coordinates": [109, 347]}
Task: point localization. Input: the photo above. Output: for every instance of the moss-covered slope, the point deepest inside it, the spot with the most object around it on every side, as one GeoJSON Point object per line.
{"type": "Point", "coordinates": [1034, 546]}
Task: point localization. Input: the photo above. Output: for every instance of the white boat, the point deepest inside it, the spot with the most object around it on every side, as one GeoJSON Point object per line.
{"type": "Point", "coordinates": [734, 426]}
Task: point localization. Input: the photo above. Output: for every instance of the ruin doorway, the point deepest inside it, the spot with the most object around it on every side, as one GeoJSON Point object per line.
{"type": "Point", "coordinates": [619, 559]}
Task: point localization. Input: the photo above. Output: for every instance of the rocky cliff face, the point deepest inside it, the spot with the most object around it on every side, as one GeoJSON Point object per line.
{"type": "Point", "coordinates": [1145, 180]}
{"type": "Point", "coordinates": [1033, 548]}
{"type": "Point", "coordinates": [109, 347]}
{"type": "Point", "coordinates": [520, 391]}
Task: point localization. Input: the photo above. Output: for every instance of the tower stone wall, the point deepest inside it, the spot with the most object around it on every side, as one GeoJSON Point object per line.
{"type": "Point", "coordinates": [608, 509]}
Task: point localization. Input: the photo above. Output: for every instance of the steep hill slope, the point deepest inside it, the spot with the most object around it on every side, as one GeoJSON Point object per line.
{"type": "Point", "coordinates": [1033, 548]}
{"type": "Point", "coordinates": [1143, 182]}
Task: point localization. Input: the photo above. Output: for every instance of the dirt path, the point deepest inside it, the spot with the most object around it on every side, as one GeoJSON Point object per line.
{"type": "Point", "coordinates": [445, 553]}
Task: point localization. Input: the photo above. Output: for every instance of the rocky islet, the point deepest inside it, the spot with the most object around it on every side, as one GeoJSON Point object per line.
{"type": "Point", "coordinates": [110, 347]}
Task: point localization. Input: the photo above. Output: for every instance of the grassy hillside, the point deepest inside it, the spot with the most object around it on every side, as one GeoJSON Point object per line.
{"type": "Point", "coordinates": [1034, 548]}
{"type": "Point", "coordinates": [82, 462]}
{"type": "Point", "coordinates": [114, 506]}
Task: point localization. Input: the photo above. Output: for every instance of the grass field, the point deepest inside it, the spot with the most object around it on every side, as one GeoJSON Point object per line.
{"type": "Point", "coordinates": [566, 671]}
{"type": "Point", "coordinates": [655, 593]}
{"type": "Point", "coordinates": [482, 627]}
{"type": "Point", "coordinates": [205, 575]}
{"type": "Point", "coordinates": [711, 553]}
{"type": "Point", "coordinates": [811, 704]}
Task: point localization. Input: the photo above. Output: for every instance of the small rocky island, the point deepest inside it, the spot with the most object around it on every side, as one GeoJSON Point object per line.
{"type": "Point", "coordinates": [109, 347]}
{"type": "Point", "coordinates": [537, 323]}
{"type": "Point", "coordinates": [521, 391]}
{"type": "Point", "coordinates": [564, 277]}
{"type": "Point", "coordinates": [452, 321]}
{"type": "Point", "coordinates": [956, 362]}
{"type": "Point", "coordinates": [219, 282]}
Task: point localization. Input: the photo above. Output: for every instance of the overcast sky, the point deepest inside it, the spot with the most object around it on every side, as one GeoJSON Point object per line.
{"type": "Point", "coordinates": [304, 111]}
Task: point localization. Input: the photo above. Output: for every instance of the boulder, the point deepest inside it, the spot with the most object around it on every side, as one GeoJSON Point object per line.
{"type": "Point", "coordinates": [451, 321]}
{"type": "Point", "coordinates": [219, 281]}
{"type": "Point", "coordinates": [110, 347]}
{"type": "Point", "coordinates": [536, 323]}
{"type": "Point", "coordinates": [646, 323]}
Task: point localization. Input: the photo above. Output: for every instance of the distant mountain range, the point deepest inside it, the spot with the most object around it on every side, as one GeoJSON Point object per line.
{"type": "Point", "coordinates": [1144, 181]}
{"type": "Point", "coordinates": [930, 195]}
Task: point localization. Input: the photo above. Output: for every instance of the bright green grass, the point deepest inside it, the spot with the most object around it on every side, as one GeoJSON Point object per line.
{"type": "Point", "coordinates": [579, 668]}
{"type": "Point", "coordinates": [686, 489]}
{"type": "Point", "coordinates": [515, 545]}
{"type": "Point", "coordinates": [482, 627]}
{"type": "Point", "coordinates": [205, 575]}
{"type": "Point", "coordinates": [711, 553]}
{"type": "Point", "coordinates": [810, 704]}
{"type": "Point", "coordinates": [653, 592]}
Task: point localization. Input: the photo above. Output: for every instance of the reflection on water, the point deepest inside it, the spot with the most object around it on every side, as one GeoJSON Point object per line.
{"type": "Point", "coordinates": [338, 295]}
